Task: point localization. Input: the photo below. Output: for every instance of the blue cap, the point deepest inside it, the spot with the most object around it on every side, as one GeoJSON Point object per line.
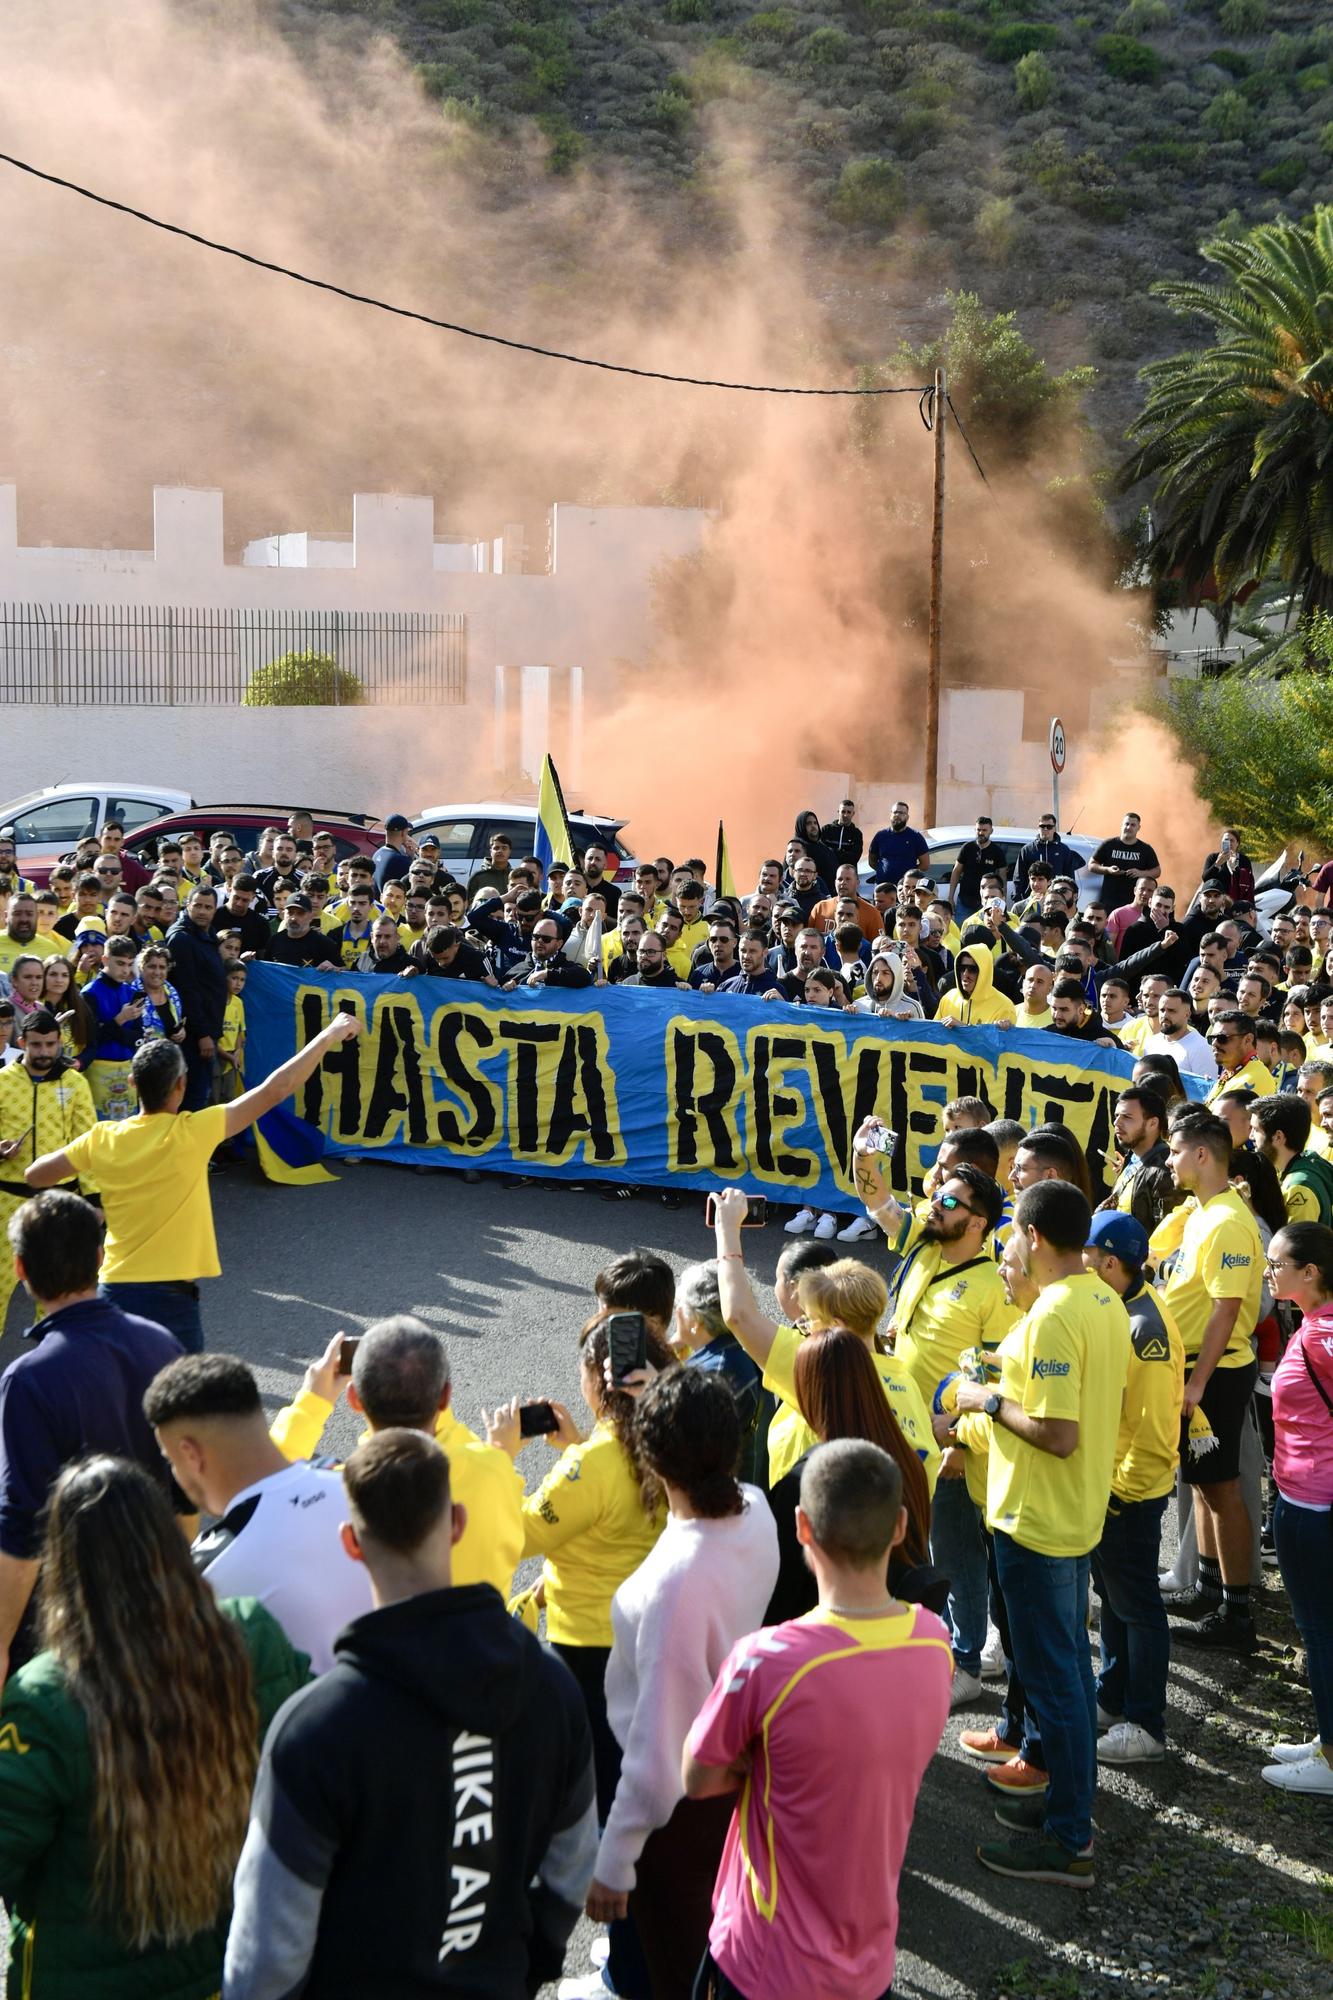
{"type": "Point", "coordinates": [1121, 1235]}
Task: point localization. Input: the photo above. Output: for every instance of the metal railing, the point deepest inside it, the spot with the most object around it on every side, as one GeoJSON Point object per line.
{"type": "Point", "coordinates": [154, 656]}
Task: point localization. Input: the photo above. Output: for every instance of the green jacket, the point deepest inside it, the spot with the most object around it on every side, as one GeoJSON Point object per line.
{"type": "Point", "coordinates": [58, 1949]}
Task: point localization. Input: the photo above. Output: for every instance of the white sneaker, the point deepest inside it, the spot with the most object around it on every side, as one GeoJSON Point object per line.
{"type": "Point", "coordinates": [1127, 1743]}
{"type": "Point", "coordinates": [992, 1656]}
{"type": "Point", "coordinates": [1169, 1583]}
{"type": "Point", "coordinates": [1295, 1753]}
{"type": "Point", "coordinates": [826, 1227]}
{"type": "Point", "coordinates": [1313, 1779]}
{"type": "Point", "coordinates": [1105, 1719]}
{"type": "Point", "coordinates": [599, 1951]}
{"type": "Point", "coordinates": [588, 1986]}
{"type": "Point", "coordinates": [859, 1226]}
{"type": "Point", "coordinates": [965, 1689]}
{"type": "Point", "coordinates": [803, 1219]}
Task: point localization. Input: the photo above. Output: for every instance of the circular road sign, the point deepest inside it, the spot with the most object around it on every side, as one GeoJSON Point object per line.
{"type": "Point", "coordinates": [1057, 744]}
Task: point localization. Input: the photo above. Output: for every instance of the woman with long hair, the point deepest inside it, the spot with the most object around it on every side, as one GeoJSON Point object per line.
{"type": "Point", "coordinates": [701, 1588]}
{"type": "Point", "coordinates": [128, 1750]}
{"type": "Point", "coordinates": [1300, 1270]}
{"type": "Point", "coordinates": [839, 1394]}
{"type": "Point", "coordinates": [62, 996]}
{"type": "Point", "coordinates": [163, 1015]}
{"type": "Point", "coordinates": [593, 1519]}
{"type": "Point", "coordinates": [1163, 1073]}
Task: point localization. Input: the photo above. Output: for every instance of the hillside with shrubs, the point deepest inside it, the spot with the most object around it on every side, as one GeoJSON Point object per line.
{"type": "Point", "coordinates": [1054, 161]}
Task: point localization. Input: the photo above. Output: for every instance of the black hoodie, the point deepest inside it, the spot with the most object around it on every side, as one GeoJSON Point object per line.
{"type": "Point", "coordinates": [424, 1818]}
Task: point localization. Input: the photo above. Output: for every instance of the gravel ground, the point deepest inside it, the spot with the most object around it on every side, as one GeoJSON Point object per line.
{"type": "Point", "coordinates": [1210, 1885]}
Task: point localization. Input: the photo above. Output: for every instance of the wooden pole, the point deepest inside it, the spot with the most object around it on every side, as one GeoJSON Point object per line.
{"type": "Point", "coordinates": [940, 409]}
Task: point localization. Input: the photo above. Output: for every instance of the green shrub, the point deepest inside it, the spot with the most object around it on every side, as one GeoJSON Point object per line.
{"type": "Point", "coordinates": [777, 24]}
{"type": "Point", "coordinates": [680, 12]}
{"type": "Point", "coordinates": [1228, 116]}
{"type": "Point", "coordinates": [669, 110]}
{"type": "Point", "coordinates": [1034, 81]}
{"type": "Point", "coordinates": [1284, 175]}
{"type": "Point", "coordinates": [1315, 81]}
{"type": "Point", "coordinates": [1326, 139]}
{"type": "Point", "coordinates": [1131, 61]}
{"type": "Point", "coordinates": [827, 47]}
{"type": "Point", "coordinates": [303, 680]}
{"type": "Point", "coordinates": [996, 228]}
{"type": "Point", "coordinates": [1141, 17]}
{"type": "Point", "coordinates": [1019, 38]}
{"type": "Point", "coordinates": [869, 194]}
{"type": "Point", "coordinates": [1232, 61]}
{"type": "Point", "coordinates": [1244, 17]}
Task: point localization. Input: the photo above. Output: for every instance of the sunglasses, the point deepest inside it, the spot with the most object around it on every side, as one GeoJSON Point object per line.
{"type": "Point", "coordinates": [950, 1202]}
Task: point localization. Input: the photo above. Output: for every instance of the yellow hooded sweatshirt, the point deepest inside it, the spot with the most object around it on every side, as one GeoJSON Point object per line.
{"type": "Point", "coordinates": [983, 1005]}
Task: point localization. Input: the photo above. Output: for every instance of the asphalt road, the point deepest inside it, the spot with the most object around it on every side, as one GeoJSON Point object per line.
{"type": "Point", "coordinates": [505, 1276]}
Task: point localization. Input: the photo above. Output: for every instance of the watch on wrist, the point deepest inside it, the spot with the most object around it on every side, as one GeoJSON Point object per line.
{"type": "Point", "coordinates": [991, 1406]}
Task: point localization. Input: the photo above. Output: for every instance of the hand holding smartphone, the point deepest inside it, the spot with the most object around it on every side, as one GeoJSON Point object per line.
{"type": "Point", "coordinates": [756, 1215]}
{"type": "Point", "coordinates": [627, 1344]}
{"type": "Point", "coordinates": [537, 1420]}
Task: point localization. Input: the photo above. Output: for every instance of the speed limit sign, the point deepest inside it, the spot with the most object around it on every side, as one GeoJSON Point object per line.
{"type": "Point", "coordinates": [1057, 745]}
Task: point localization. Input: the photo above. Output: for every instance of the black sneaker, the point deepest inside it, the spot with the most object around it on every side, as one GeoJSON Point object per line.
{"type": "Point", "coordinates": [1225, 1631]}
{"type": "Point", "coordinates": [518, 1180]}
{"type": "Point", "coordinates": [1193, 1604]}
{"type": "Point", "coordinates": [1022, 1815]}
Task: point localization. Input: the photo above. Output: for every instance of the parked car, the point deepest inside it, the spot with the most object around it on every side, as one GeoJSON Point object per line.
{"type": "Point", "coordinates": [945, 843]}
{"type": "Point", "coordinates": [52, 821]}
{"type": "Point", "coordinates": [353, 833]}
{"type": "Point", "coordinates": [464, 832]}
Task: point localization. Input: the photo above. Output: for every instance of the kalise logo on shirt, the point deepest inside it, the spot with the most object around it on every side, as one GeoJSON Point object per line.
{"type": "Point", "coordinates": [1232, 1260]}
{"type": "Point", "coordinates": [1041, 1369]}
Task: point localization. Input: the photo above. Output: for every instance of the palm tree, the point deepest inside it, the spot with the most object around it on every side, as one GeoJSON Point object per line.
{"type": "Point", "coordinates": [1238, 436]}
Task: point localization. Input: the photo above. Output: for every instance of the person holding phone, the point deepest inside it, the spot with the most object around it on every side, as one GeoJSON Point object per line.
{"type": "Point", "coordinates": [117, 1013]}
{"type": "Point", "coordinates": [593, 1519]}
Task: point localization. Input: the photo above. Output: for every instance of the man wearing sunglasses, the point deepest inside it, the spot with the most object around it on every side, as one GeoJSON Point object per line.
{"type": "Point", "coordinates": [1048, 848]}
{"type": "Point", "coordinates": [1231, 1039]}
{"type": "Point", "coordinates": [948, 1296]}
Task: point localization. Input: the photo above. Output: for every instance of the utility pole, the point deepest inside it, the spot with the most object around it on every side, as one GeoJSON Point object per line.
{"type": "Point", "coordinates": [939, 409]}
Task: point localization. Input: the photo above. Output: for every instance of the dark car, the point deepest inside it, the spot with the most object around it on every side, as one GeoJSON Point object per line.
{"type": "Point", "coordinates": [353, 833]}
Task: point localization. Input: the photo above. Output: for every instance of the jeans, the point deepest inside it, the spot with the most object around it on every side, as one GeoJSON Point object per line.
{"type": "Point", "coordinates": [172, 1305]}
{"type": "Point", "coordinates": [626, 1970]}
{"type": "Point", "coordinates": [1017, 1724]}
{"type": "Point", "coordinates": [1304, 1543]}
{"type": "Point", "coordinates": [958, 1548]}
{"type": "Point", "coordinates": [198, 1080]}
{"type": "Point", "coordinates": [1047, 1601]}
{"type": "Point", "coordinates": [1136, 1642]}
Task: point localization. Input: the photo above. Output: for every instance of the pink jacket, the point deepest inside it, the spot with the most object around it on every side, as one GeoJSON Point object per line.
{"type": "Point", "coordinates": [1302, 1425]}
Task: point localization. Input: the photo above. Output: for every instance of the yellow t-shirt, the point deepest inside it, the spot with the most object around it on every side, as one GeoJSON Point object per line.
{"type": "Point", "coordinates": [942, 1309]}
{"type": "Point", "coordinates": [790, 1436]}
{"type": "Point", "coordinates": [1220, 1257]}
{"type": "Point", "coordinates": [1148, 1446]}
{"type": "Point", "coordinates": [1067, 1357]}
{"type": "Point", "coordinates": [1320, 1142]}
{"type": "Point", "coordinates": [587, 1519]}
{"type": "Point", "coordinates": [36, 947]}
{"type": "Point", "coordinates": [1023, 1018]}
{"type": "Point", "coordinates": [233, 1025]}
{"type": "Point", "coordinates": [1254, 1075]}
{"type": "Point", "coordinates": [481, 1479]}
{"type": "Point", "coordinates": [152, 1173]}
{"type": "Point", "coordinates": [1132, 1032]}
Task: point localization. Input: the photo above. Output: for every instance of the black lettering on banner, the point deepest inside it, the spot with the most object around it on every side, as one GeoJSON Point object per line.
{"type": "Point", "coordinates": [832, 1060]}
{"type": "Point", "coordinates": [970, 1083]}
{"type": "Point", "coordinates": [1098, 1141]}
{"type": "Point", "coordinates": [343, 1064]}
{"type": "Point", "coordinates": [312, 1016]}
{"type": "Point", "coordinates": [774, 1109]}
{"type": "Point", "coordinates": [451, 1025]}
{"type": "Point", "coordinates": [909, 1069]}
{"type": "Point", "coordinates": [524, 1096]}
{"type": "Point", "coordinates": [397, 1090]}
{"type": "Point", "coordinates": [689, 1046]}
{"type": "Point", "coordinates": [578, 1100]}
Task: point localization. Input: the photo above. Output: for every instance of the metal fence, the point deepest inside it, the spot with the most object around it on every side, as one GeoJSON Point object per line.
{"type": "Point", "coordinates": [153, 656]}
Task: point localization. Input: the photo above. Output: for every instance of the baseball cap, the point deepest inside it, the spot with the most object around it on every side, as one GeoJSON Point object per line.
{"type": "Point", "coordinates": [1121, 1235]}
{"type": "Point", "coordinates": [299, 901]}
{"type": "Point", "coordinates": [1213, 885]}
{"type": "Point", "coordinates": [788, 913]}
{"type": "Point", "coordinates": [428, 840]}
{"type": "Point", "coordinates": [92, 927]}
{"type": "Point", "coordinates": [397, 823]}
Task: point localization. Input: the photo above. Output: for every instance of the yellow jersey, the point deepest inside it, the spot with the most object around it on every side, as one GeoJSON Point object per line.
{"type": "Point", "coordinates": [482, 1479]}
{"type": "Point", "coordinates": [40, 946]}
{"type": "Point", "coordinates": [790, 1436]}
{"type": "Point", "coordinates": [1220, 1257]}
{"type": "Point", "coordinates": [1253, 1075]}
{"type": "Point", "coordinates": [587, 1519]}
{"type": "Point", "coordinates": [1068, 1357]}
{"type": "Point", "coordinates": [940, 1309]}
{"type": "Point", "coordinates": [1148, 1445]}
{"type": "Point", "coordinates": [152, 1174]}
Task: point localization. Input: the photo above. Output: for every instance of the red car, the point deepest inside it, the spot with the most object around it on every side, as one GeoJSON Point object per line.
{"type": "Point", "coordinates": [353, 833]}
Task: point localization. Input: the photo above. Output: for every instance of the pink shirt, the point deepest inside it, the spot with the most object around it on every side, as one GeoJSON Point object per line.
{"type": "Point", "coordinates": [841, 1717]}
{"type": "Point", "coordinates": [1302, 1426]}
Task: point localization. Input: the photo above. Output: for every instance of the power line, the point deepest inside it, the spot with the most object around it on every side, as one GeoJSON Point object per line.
{"type": "Point", "coordinates": [966, 439]}
{"type": "Point", "coordinates": [427, 319]}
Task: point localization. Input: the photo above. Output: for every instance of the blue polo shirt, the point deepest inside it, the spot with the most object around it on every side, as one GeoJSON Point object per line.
{"type": "Point", "coordinates": [897, 850]}
{"type": "Point", "coordinates": [78, 1389]}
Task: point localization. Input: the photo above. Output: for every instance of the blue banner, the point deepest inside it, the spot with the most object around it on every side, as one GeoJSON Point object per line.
{"type": "Point", "coordinates": [662, 1089]}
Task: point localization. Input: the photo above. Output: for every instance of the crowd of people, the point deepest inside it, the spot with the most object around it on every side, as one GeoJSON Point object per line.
{"type": "Point", "coordinates": [315, 1743]}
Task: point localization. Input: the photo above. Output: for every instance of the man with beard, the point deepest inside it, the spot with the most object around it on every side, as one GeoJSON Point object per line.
{"type": "Point", "coordinates": [1072, 1016]}
{"type": "Point", "coordinates": [722, 962]}
{"type": "Point", "coordinates": [444, 953]}
{"type": "Point", "coordinates": [386, 955]}
{"type": "Point", "coordinates": [299, 941]}
{"type": "Point", "coordinates": [1177, 1038]}
{"type": "Point", "coordinates": [754, 975]}
{"type": "Point", "coordinates": [1280, 1130]}
{"type": "Point", "coordinates": [547, 965]}
{"type": "Point", "coordinates": [21, 938]}
{"type": "Point", "coordinates": [284, 873]}
{"type": "Point", "coordinates": [654, 967]}
{"type": "Point", "coordinates": [1204, 984]}
{"type": "Point", "coordinates": [842, 836]}
{"type": "Point", "coordinates": [897, 847]}
{"type": "Point", "coordinates": [848, 888]}
{"type": "Point", "coordinates": [1122, 860]}
{"type": "Point", "coordinates": [806, 888]}
{"type": "Point", "coordinates": [44, 1103]}
{"type": "Point", "coordinates": [809, 958]}
{"type": "Point", "coordinates": [599, 882]}
{"type": "Point", "coordinates": [1145, 1186]}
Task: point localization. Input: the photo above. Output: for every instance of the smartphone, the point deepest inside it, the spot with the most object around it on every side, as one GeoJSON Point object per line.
{"type": "Point", "coordinates": [347, 1353]}
{"type": "Point", "coordinates": [536, 1420]}
{"type": "Point", "coordinates": [880, 1139]}
{"type": "Point", "coordinates": [627, 1339]}
{"type": "Point", "coordinates": [756, 1215]}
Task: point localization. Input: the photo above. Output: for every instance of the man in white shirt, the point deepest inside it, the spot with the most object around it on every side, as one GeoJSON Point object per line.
{"type": "Point", "coordinates": [1176, 1037]}
{"type": "Point", "coordinates": [275, 1533]}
